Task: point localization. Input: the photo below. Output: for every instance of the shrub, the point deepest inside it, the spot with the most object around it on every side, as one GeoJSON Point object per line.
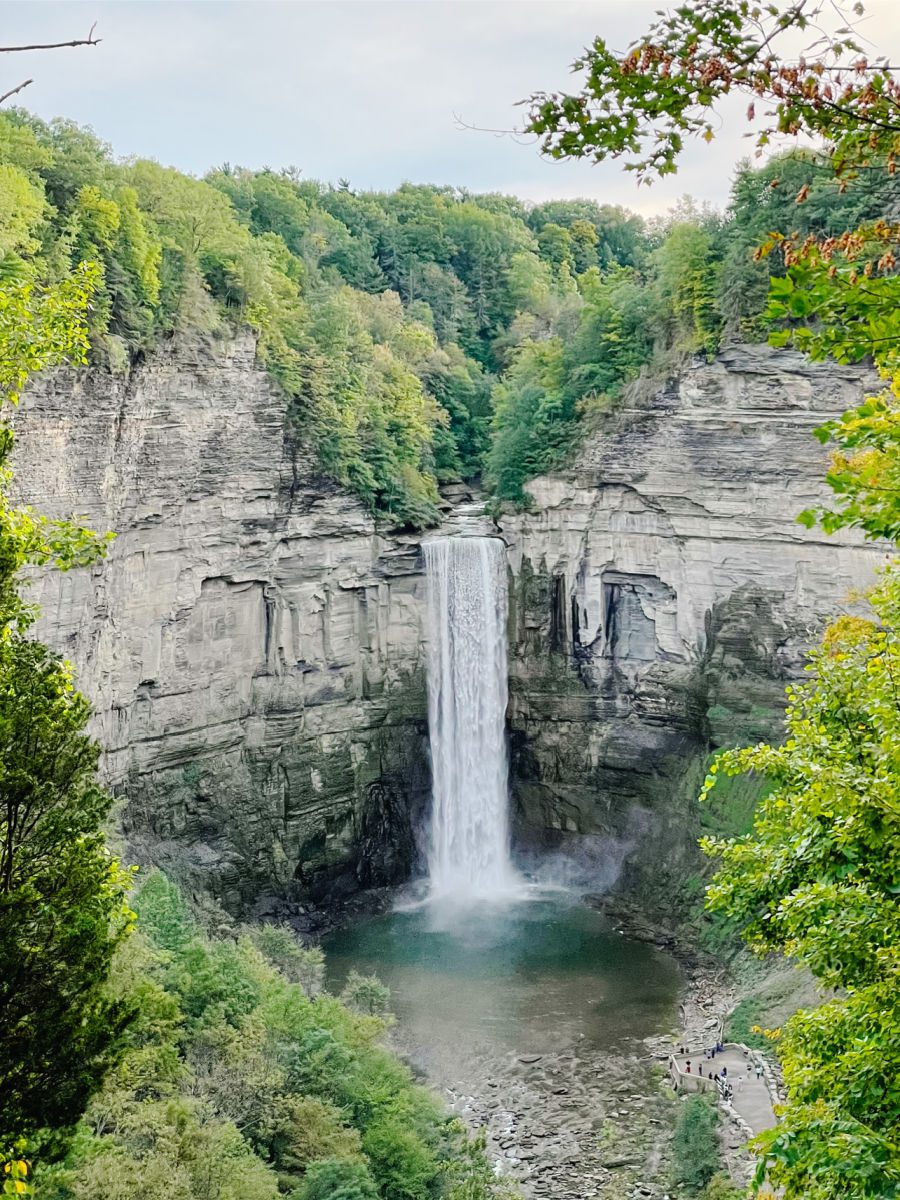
{"type": "Point", "coordinates": [695, 1145]}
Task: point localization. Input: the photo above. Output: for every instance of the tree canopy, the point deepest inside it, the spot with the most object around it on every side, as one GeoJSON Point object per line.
{"type": "Point", "coordinates": [411, 330]}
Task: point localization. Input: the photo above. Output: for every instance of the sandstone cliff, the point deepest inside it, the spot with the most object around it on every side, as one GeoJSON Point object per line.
{"type": "Point", "coordinates": [251, 644]}
{"type": "Point", "coordinates": [664, 593]}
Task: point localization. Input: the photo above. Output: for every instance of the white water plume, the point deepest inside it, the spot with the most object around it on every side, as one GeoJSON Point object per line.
{"type": "Point", "coordinates": [468, 851]}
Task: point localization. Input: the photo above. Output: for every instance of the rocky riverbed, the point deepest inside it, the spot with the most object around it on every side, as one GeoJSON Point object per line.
{"type": "Point", "coordinates": [566, 1117]}
{"type": "Point", "coordinates": [572, 1123]}
{"type": "Point", "coordinates": [529, 1022]}
{"type": "Point", "coordinates": [576, 1122]}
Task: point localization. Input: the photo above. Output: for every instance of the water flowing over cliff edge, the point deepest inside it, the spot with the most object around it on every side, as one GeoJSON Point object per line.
{"type": "Point", "coordinates": [468, 827]}
{"type": "Point", "coordinates": [254, 646]}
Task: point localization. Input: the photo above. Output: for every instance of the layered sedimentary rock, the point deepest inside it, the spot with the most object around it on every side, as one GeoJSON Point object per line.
{"type": "Point", "coordinates": [663, 593]}
{"type": "Point", "coordinates": [252, 645]}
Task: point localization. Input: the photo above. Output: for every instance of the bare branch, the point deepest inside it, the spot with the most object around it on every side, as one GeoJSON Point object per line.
{"type": "Point", "coordinates": [520, 136]}
{"type": "Point", "coordinates": [12, 91]}
{"type": "Point", "coordinates": [90, 40]}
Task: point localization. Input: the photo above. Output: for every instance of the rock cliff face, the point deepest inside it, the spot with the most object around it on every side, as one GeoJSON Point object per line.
{"type": "Point", "coordinates": [251, 645]}
{"type": "Point", "coordinates": [662, 595]}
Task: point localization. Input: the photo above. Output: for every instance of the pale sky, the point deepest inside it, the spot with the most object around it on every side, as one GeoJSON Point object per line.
{"type": "Point", "coordinates": [369, 90]}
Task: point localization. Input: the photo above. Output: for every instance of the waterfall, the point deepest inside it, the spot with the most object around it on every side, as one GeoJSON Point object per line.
{"type": "Point", "coordinates": [468, 853]}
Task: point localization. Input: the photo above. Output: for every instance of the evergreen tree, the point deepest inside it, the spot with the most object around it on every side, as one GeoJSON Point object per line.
{"type": "Point", "coordinates": [62, 910]}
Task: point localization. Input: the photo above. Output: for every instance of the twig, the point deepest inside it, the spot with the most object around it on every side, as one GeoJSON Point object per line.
{"type": "Point", "coordinates": [521, 136]}
{"type": "Point", "coordinates": [90, 40]}
{"type": "Point", "coordinates": [12, 91]}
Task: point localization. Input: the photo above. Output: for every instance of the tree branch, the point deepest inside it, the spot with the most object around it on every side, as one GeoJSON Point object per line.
{"type": "Point", "coordinates": [12, 91]}
{"type": "Point", "coordinates": [90, 40]}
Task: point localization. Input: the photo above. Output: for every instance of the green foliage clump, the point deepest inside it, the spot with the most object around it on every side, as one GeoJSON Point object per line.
{"type": "Point", "coordinates": [365, 994]}
{"type": "Point", "coordinates": [551, 385]}
{"type": "Point", "coordinates": [668, 86]}
{"type": "Point", "coordinates": [816, 878]}
{"type": "Point", "coordinates": [471, 1175]}
{"type": "Point", "coordinates": [300, 964]}
{"type": "Point", "coordinates": [338, 1179]}
{"type": "Point", "coordinates": [695, 1145]}
{"type": "Point", "coordinates": [62, 908]}
{"type": "Point", "coordinates": [720, 1187]}
{"type": "Point", "coordinates": [745, 1024]}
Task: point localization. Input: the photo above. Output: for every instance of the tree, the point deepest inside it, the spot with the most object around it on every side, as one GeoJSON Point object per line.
{"type": "Point", "coordinates": [695, 1144]}
{"type": "Point", "coordinates": [41, 327]}
{"type": "Point", "coordinates": [366, 994]}
{"type": "Point", "coordinates": [684, 285]}
{"type": "Point", "coordinates": [300, 964]}
{"type": "Point", "coordinates": [471, 1174]}
{"type": "Point", "coordinates": [534, 418]}
{"type": "Point", "coordinates": [338, 1179]}
{"type": "Point", "coordinates": [834, 307]}
{"type": "Point", "coordinates": [555, 245]}
{"type": "Point", "coordinates": [641, 105]}
{"type": "Point", "coordinates": [62, 899]}
{"type": "Point", "coordinates": [817, 879]}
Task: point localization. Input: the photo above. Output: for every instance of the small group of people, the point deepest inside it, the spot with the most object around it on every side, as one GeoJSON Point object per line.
{"type": "Point", "coordinates": [720, 1078]}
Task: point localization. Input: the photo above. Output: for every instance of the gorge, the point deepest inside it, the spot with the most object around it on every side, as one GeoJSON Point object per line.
{"type": "Point", "coordinates": [448, 711]}
{"type": "Point", "coordinates": [254, 645]}
{"type": "Point", "coordinates": [256, 649]}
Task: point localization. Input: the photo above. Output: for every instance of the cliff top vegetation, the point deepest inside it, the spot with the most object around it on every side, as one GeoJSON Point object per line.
{"type": "Point", "coordinates": [423, 335]}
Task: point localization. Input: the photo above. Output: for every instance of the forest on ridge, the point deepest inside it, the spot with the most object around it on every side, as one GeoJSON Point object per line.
{"type": "Point", "coordinates": [424, 335]}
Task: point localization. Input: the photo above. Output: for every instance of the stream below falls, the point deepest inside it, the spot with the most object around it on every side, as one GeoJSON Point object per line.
{"type": "Point", "coordinates": [536, 1018]}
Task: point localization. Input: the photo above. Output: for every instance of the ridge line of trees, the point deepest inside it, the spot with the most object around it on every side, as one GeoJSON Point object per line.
{"type": "Point", "coordinates": [424, 335]}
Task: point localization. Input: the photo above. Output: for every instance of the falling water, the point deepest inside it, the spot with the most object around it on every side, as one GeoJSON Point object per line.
{"type": "Point", "coordinates": [468, 854]}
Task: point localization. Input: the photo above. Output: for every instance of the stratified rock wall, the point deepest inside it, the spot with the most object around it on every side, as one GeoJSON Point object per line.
{"type": "Point", "coordinates": [662, 595]}
{"type": "Point", "coordinates": [251, 644]}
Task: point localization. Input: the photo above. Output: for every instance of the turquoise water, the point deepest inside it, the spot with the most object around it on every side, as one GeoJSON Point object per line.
{"type": "Point", "coordinates": [536, 976]}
